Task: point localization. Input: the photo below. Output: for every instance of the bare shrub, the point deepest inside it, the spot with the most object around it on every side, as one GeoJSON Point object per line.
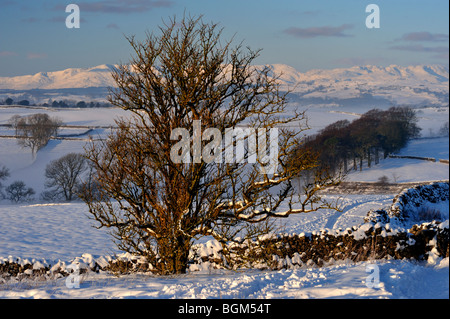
{"type": "Point", "coordinates": [18, 192]}
{"type": "Point", "coordinates": [428, 214]}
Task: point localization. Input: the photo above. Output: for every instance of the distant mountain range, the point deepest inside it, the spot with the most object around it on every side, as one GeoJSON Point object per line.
{"type": "Point", "coordinates": [99, 76]}
{"type": "Point", "coordinates": [360, 85]}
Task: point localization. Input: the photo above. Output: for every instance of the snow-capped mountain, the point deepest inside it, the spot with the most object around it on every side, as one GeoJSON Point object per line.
{"type": "Point", "coordinates": [392, 85]}
{"type": "Point", "coordinates": [99, 76]}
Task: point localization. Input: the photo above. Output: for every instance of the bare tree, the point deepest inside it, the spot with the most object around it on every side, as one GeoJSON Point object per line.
{"type": "Point", "coordinates": [34, 131]}
{"type": "Point", "coordinates": [18, 192]}
{"type": "Point", "coordinates": [158, 197]}
{"type": "Point", "coordinates": [64, 175]}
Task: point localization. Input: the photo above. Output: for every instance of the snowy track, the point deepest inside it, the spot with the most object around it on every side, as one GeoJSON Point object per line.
{"type": "Point", "coordinates": [356, 211]}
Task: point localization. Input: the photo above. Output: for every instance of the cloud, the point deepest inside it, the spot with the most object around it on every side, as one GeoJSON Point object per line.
{"type": "Point", "coordinates": [120, 6]}
{"type": "Point", "coordinates": [420, 48]}
{"type": "Point", "coordinates": [352, 61]}
{"type": "Point", "coordinates": [33, 55]}
{"type": "Point", "coordinates": [62, 19]}
{"type": "Point", "coordinates": [7, 53]}
{"type": "Point", "coordinates": [112, 26]}
{"type": "Point", "coordinates": [424, 36]}
{"type": "Point", "coordinates": [306, 33]}
{"type": "Point", "coordinates": [30, 20]}
{"type": "Point", "coordinates": [443, 56]}
{"type": "Point", "coordinates": [311, 13]}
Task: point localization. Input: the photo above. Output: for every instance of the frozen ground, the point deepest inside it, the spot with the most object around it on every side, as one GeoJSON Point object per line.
{"type": "Point", "coordinates": [63, 231]}
{"type": "Point", "coordinates": [397, 279]}
{"type": "Point", "coordinates": [403, 170]}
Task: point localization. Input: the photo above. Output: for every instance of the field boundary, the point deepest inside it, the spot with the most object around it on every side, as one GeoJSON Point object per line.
{"type": "Point", "coordinates": [373, 188]}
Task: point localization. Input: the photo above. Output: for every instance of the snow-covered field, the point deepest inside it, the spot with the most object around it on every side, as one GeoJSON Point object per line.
{"type": "Point", "coordinates": [398, 279]}
{"type": "Point", "coordinates": [48, 232]}
{"type": "Point", "coordinates": [404, 170]}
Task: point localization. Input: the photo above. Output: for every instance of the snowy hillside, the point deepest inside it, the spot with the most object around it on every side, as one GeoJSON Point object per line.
{"type": "Point", "coordinates": [359, 86]}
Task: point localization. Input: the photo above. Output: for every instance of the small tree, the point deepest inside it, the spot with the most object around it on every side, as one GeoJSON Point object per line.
{"type": "Point", "coordinates": [34, 131]}
{"type": "Point", "coordinates": [18, 192]}
{"type": "Point", "coordinates": [64, 175]}
{"type": "Point", "coordinates": [23, 103]}
{"type": "Point", "coordinates": [81, 104]}
{"type": "Point", "coordinates": [383, 180]}
{"type": "Point", "coordinates": [4, 174]}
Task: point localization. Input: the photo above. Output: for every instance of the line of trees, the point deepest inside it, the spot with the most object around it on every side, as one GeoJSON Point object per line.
{"type": "Point", "coordinates": [10, 101]}
{"type": "Point", "coordinates": [343, 145]}
{"type": "Point", "coordinates": [57, 104]}
{"type": "Point", "coordinates": [79, 104]}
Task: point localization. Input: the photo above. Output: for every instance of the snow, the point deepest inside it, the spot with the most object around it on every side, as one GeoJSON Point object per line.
{"type": "Point", "coordinates": [403, 170]}
{"type": "Point", "coordinates": [61, 234]}
{"type": "Point", "coordinates": [50, 233]}
{"type": "Point", "coordinates": [427, 147]}
{"type": "Point", "coordinates": [64, 231]}
{"type": "Point", "coordinates": [54, 231]}
{"type": "Point", "coordinates": [99, 76]}
{"type": "Point", "coordinates": [397, 280]}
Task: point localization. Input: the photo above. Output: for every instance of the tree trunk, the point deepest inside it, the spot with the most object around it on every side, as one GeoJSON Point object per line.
{"type": "Point", "coordinates": [174, 254]}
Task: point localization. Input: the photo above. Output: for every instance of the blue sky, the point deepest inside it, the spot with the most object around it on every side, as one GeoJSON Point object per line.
{"type": "Point", "coordinates": [305, 34]}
